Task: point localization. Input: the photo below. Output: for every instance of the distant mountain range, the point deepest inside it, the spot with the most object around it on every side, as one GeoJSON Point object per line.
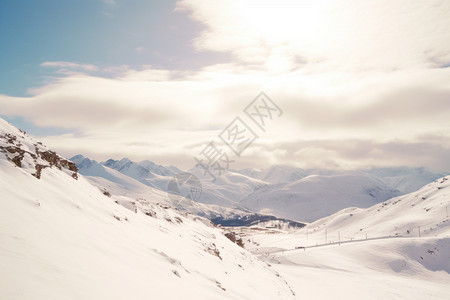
{"type": "Point", "coordinates": [148, 181]}
{"type": "Point", "coordinates": [282, 191]}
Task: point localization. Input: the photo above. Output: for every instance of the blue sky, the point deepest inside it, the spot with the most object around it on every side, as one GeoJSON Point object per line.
{"type": "Point", "coordinates": [361, 83]}
{"type": "Point", "coordinates": [132, 32]}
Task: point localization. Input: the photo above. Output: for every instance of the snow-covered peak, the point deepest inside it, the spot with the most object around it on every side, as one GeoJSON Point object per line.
{"type": "Point", "coordinates": [404, 179]}
{"type": "Point", "coordinates": [129, 168]}
{"type": "Point", "coordinates": [141, 170]}
{"type": "Point", "coordinates": [117, 163]}
{"type": "Point", "coordinates": [158, 169]}
{"type": "Point", "coordinates": [83, 162]}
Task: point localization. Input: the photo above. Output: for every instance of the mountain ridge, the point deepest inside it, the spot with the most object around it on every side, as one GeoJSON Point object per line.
{"type": "Point", "coordinates": [259, 190]}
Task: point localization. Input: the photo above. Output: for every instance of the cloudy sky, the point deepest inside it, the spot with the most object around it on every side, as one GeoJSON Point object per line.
{"type": "Point", "coordinates": [359, 83]}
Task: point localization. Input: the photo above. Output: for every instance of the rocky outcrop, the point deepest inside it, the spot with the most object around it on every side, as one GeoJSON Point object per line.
{"type": "Point", "coordinates": [232, 236]}
{"type": "Point", "coordinates": [24, 153]}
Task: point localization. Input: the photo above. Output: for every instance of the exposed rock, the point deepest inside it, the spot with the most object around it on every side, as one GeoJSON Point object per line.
{"type": "Point", "coordinates": [38, 171]}
{"type": "Point", "coordinates": [235, 238]}
{"type": "Point", "coordinates": [17, 159]}
{"type": "Point", "coordinates": [15, 149]}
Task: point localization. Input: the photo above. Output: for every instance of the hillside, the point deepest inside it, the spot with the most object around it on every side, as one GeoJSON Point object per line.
{"type": "Point", "coordinates": [62, 238]}
{"type": "Point", "coordinates": [372, 253]}
{"type": "Point", "coordinates": [400, 216]}
{"type": "Point", "coordinates": [429, 208]}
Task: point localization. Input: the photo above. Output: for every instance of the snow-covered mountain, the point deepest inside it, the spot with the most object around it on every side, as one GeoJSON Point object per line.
{"type": "Point", "coordinates": [115, 183]}
{"type": "Point", "coordinates": [229, 189]}
{"type": "Point", "coordinates": [63, 238]}
{"type": "Point", "coordinates": [316, 196]}
{"type": "Point", "coordinates": [309, 194]}
{"type": "Point", "coordinates": [147, 172]}
{"type": "Point", "coordinates": [282, 174]}
{"type": "Point", "coordinates": [226, 191]}
{"type": "Point", "coordinates": [282, 191]}
{"type": "Point", "coordinates": [403, 179]}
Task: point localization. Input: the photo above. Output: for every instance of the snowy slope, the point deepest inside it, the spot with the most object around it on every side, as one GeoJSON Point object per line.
{"type": "Point", "coordinates": [313, 197]}
{"type": "Point", "coordinates": [400, 216]}
{"type": "Point", "coordinates": [410, 268]}
{"type": "Point", "coordinates": [373, 253]}
{"type": "Point", "coordinates": [396, 217]}
{"type": "Point", "coordinates": [61, 238]}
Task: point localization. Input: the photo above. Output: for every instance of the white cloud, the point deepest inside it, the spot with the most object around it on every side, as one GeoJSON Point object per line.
{"type": "Point", "coordinates": [340, 34]}
{"type": "Point", "coordinates": [69, 66]}
{"type": "Point", "coordinates": [360, 84]}
{"type": "Point", "coordinates": [148, 114]}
